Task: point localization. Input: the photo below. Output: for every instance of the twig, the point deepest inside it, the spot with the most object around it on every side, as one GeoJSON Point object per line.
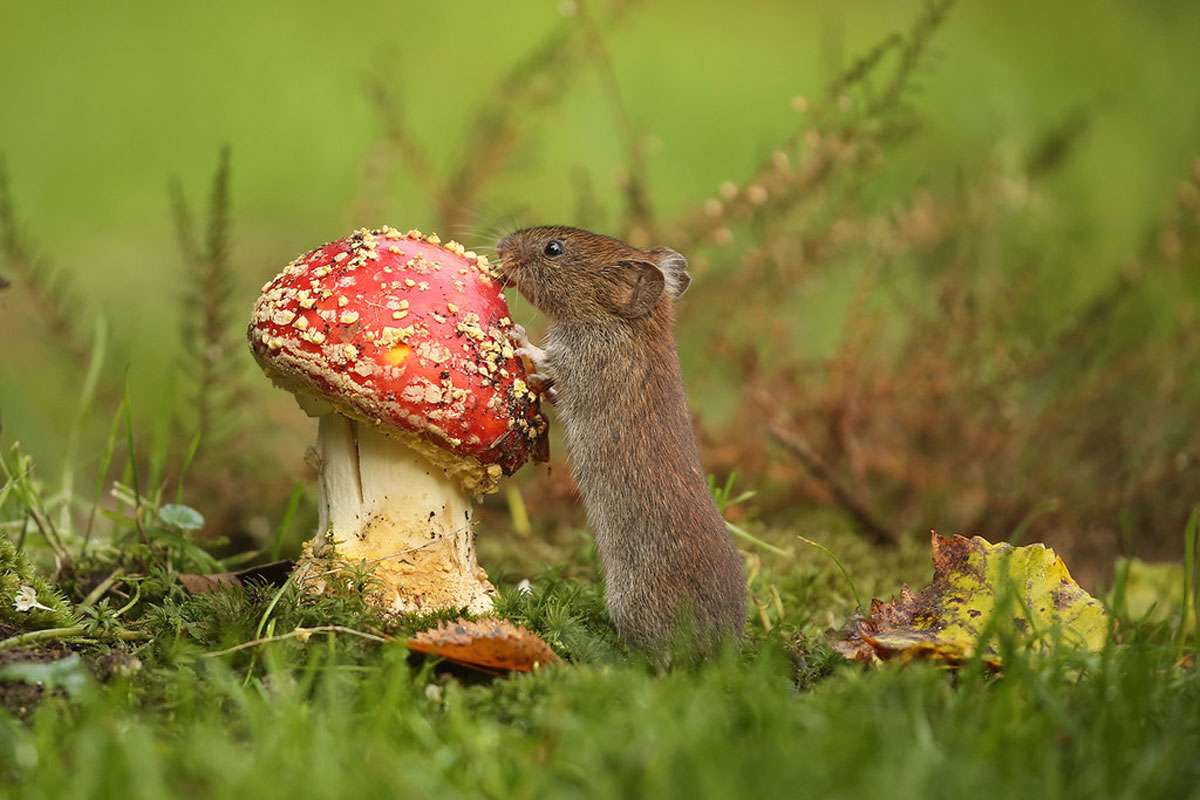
{"type": "Point", "coordinates": [73, 632]}
{"type": "Point", "coordinates": [537, 82]}
{"type": "Point", "coordinates": [863, 66]}
{"type": "Point", "coordinates": [50, 534]}
{"type": "Point", "coordinates": [772, 186]}
{"type": "Point", "coordinates": [301, 634]}
{"type": "Point", "coordinates": [101, 588]}
{"type": "Point", "coordinates": [497, 127]}
{"type": "Point", "coordinates": [842, 495]}
{"type": "Point", "coordinates": [915, 45]}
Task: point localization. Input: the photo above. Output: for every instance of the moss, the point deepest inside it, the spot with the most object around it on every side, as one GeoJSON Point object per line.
{"type": "Point", "coordinates": [16, 573]}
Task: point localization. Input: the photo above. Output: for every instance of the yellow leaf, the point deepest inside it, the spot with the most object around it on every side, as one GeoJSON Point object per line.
{"type": "Point", "coordinates": [978, 586]}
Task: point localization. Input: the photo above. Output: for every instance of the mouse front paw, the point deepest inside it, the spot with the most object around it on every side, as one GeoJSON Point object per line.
{"type": "Point", "coordinates": [518, 336]}
{"type": "Point", "coordinates": [543, 385]}
{"type": "Point", "coordinates": [536, 356]}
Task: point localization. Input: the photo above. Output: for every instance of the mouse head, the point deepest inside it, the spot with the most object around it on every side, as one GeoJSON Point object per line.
{"type": "Point", "coordinates": [574, 275]}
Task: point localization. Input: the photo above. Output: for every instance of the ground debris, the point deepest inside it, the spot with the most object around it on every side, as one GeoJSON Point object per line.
{"type": "Point", "coordinates": [274, 574]}
{"type": "Point", "coordinates": [978, 588]}
{"type": "Point", "coordinates": [492, 644]}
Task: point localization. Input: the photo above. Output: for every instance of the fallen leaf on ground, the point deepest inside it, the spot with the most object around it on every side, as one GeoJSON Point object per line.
{"type": "Point", "coordinates": [486, 643]}
{"type": "Point", "coordinates": [972, 579]}
{"type": "Point", "coordinates": [273, 574]}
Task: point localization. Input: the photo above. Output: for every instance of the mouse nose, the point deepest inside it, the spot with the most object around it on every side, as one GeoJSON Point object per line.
{"type": "Point", "coordinates": [506, 253]}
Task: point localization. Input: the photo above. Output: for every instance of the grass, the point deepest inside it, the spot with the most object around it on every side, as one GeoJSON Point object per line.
{"type": "Point", "coordinates": [338, 717]}
{"type": "Point", "coordinates": [974, 295]}
{"type": "Point", "coordinates": [219, 696]}
{"type": "Point", "coordinates": [148, 691]}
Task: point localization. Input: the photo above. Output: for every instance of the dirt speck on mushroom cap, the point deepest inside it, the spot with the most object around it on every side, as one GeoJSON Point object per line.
{"type": "Point", "coordinates": [404, 331]}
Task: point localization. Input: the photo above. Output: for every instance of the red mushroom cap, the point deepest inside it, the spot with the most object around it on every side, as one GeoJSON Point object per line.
{"type": "Point", "coordinates": [403, 331]}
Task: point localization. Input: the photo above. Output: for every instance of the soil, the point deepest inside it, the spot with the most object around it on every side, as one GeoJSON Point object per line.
{"type": "Point", "coordinates": [18, 697]}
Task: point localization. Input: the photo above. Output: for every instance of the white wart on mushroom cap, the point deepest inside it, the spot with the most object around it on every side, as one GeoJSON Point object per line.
{"type": "Point", "coordinates": [400, 331]}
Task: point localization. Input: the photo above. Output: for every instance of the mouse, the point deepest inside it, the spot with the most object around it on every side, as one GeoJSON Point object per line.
{"type": "Point", "coordinates": [610, 366]}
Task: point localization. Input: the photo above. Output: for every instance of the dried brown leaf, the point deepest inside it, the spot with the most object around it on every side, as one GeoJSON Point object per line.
{"type": "Point", "coordinates": [274, 574]}
{"type": "Point", "coordinates": [494, 644]}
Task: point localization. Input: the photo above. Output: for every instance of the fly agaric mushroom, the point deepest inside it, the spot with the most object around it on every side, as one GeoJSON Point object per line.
{"type": "Point", "coordinates": [400, 346]}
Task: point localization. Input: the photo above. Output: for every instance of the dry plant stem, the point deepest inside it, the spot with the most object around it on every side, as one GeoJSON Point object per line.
{"type": "Point", "coordinates": [302, 634]}
{"type": "Point", "coordinates": [910, 56]}
{"type": "Point", "coordinates": [792, 442]}
{"type": "Point", "coordinates": [46, 528]}
{"type": "Point", "coordinates": [834, 138]}
{"type": "Point", "coordinates": [101, 588]}
{"type": "Point", "coordinates": [71, 632]}
{"type": "Point", "coordinates": [532, 85]}
{"type": "Point", "coordinates": [385, 505]}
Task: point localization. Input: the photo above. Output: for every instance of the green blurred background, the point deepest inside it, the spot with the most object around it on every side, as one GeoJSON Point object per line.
{"type": "Point", "coordinates": [104, 102]}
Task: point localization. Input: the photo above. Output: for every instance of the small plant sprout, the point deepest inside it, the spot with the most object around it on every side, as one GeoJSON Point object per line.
{"type": "Point", "coordinates": [400, 346]}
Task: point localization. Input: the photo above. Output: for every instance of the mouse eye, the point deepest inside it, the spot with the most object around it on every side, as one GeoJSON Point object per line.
{"type": "Point", "coordinates": [553, 248]}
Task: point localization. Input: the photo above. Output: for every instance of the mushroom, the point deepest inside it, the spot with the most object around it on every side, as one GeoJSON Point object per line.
{"type": "Point", "coordinates": [401, 347]}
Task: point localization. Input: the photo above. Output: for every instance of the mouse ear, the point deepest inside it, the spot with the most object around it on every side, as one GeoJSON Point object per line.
{"type": "Point", "coordinates": [674, 269]}
{"type": "Point", "coordinates": [642, 284]}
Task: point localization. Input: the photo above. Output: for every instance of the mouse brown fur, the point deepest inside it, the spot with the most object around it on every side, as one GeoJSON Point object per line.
{"type": "Point", "coordinates": [610, 360]}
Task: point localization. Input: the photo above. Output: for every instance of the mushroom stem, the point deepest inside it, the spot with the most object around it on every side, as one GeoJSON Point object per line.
{"type": "Point", "coordinates": [385, 505]}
